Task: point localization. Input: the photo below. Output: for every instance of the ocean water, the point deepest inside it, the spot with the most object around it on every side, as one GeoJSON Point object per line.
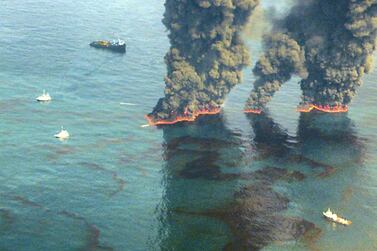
{"type": "Point", "coordinates": [116, 186]}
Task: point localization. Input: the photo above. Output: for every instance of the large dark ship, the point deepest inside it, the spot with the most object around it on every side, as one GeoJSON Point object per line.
{"type": "Point", "coordinates": [115, 45]}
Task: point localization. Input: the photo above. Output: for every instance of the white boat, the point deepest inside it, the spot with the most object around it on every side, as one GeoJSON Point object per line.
{"type": "Point", "coordinates": [335, 218]}
{"type": "Point", "coordinates": [63, 134]}
{"type": "Point", "coordinates": [44, 97]}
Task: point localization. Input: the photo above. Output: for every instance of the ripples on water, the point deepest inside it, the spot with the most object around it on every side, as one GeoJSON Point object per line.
{"type": "Point", "coordinates": [224, 182]}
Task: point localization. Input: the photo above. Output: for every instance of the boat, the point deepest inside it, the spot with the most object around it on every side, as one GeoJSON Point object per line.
{"type": "Point", "coordinates": [335, 218]}
{"type": "Point", "coordinates": [63, 134]}
{"type": "Point", "coordinates": [44, 97]}
{"type": "Point", "coordinates": [114, 45]}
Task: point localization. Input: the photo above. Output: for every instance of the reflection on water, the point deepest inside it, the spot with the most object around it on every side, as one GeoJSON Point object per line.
{"type": "Point", "coordinates": [195, 155]}
{"type": "Point", "coordinates": [331, 138]}
{"type": "Point", "coordinates": [206, 187]}
{"type": "Point", "coordinates": [324, 141]}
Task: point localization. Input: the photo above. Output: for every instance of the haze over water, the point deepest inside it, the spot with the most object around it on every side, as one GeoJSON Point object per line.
{"type": "Point", "coordinates": [116, 186]}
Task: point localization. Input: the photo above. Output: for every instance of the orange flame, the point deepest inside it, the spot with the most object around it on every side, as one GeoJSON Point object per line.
{"type": "Point", "coordinates": [254, 111]}
{"type": "Point", "coordinates": [323, 108]}
{"type": "Point", "coordinates": [185, 118]}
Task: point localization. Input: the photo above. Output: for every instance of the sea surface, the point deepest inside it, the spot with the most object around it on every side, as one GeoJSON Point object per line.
{"type": "Point", "coordinates": [196, 186]}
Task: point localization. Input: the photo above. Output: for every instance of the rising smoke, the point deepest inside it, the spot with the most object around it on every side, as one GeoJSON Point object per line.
{"type": "Point", "coordinates": [206, 56]}
{"type": "Point", "coordinates": [329, 44]}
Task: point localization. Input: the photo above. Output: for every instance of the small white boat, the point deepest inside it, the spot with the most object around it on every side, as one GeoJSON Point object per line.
{"type": "Point", "coordinates": [63, 134]}
{"type": "Point", "coordinates": [143, 126]}
{"type": "Point", "coordinates": [335, 218]}
{"type": "Point", "coordinates": [44, 97]}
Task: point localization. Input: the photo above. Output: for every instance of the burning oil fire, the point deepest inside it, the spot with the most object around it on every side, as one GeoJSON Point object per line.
{"type": "Point", "coordinates": [323, 108]}
{"type": "Point", "coordinates": [191, 117]}
{"type": "Point", "coordinates": [253, 111]}
{"type": "Point", "coordinates": [187, 117]}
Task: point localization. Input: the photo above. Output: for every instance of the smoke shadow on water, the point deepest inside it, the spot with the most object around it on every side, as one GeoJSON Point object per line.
{"type": "Point", "coordinates": [326, 142]}
{"type": "Point", "coordinates": [219, 185]}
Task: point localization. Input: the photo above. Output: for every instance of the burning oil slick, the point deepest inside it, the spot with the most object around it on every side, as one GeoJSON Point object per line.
{"type": "Point", "coordinates": [329, 44]}
{"type": "Point", "coordinates": [205, 59]}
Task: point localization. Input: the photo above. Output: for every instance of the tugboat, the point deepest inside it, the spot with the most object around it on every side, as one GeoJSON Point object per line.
{"type": "Point", "coordinates": [335, 218]}
{"type": "Point", "coordinates": [114, 45]}
{"type": "Point", "coordinates": [45, 97]}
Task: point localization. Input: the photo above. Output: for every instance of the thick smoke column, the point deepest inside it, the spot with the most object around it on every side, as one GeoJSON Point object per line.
{"type": "Point", "coordinates": [329, 44]}
{"type": "Point", "coordinates": [206, 56]}
{"type": "Point", "coordinates": [283, 57]}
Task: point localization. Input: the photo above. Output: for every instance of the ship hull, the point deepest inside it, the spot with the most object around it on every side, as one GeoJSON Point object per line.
{"type": "Point", "coordinates": [116, 48]}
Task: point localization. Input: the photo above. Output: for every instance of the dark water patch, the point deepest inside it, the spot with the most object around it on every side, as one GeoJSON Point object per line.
{"type": "Point", "coordinates": [26, 202]}
{"type": "Point", "coordinates": [91, 242]}
{"type": "Point", "coordinates": [12, 105]}
{"type": "Point", "coordinates": [254, 213]}
{"type": "Point", "coordinates": [103, 143]}
{"type": "Point", "coordinates": [320, 132]}
{"type": "Point", "coordinates": [206, 168]}
{"type": "Point", "coordinates": [191, 156]}
{"type": "Point", "coordinates": [127, 158]}
{"type": "Point", "coordinates": [57, 151]}
{"type": "Point", "coordinates": [121, 183]}
{"type": "Point", "coordinates": [273, 174]}
{"type": "Point", "coordinates": [207, 144]}
{"type": "Point", "coordinates": [332, 128]}
{"type": "Point", "coordinates": [327, 170]}
{"type": "Point", "coordinates": [172, 153]}
{"type": "Point", "coordinates": [347, 194]}
{"type": "Point", "coordinates": [258, 233]}
{"type": "Point", "coordinates": [260, 198]}
{"type": "Point", "coordinates": [6, 220]}
{"type": "Point", "coordinates": [103, 172]}
{"type": "Point", "coordinates": [255, 219]}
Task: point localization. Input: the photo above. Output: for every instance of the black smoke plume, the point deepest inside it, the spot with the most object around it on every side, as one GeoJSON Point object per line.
{"type": "Point", "coordinates": [329, 44]}
{"type": "Point", "coordinates": [206, 55]}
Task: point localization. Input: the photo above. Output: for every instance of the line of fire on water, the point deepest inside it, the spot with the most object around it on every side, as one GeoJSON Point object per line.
{"type": "Point", "coordinates": [253, 111]}
{"type": "Point", "coordinates": [309, 108]}
{"type": "Point", "coordinates": [186, 118]}
{"type": "Point", "coordinates": [193, 116]}
{"type": "Point", "coordinates": [323, 108]}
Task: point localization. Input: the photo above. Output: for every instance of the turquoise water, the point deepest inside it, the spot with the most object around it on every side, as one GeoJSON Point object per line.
{"type": "Point", "coordinates": [116, 186]}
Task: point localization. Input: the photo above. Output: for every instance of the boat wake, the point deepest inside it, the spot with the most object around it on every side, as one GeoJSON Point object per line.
{"type": "Point", "coordinates": [129, 104]}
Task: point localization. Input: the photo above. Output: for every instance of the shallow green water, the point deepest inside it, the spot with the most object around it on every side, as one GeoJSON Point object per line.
{"type": "Point", "coordinates": [116, 185]}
